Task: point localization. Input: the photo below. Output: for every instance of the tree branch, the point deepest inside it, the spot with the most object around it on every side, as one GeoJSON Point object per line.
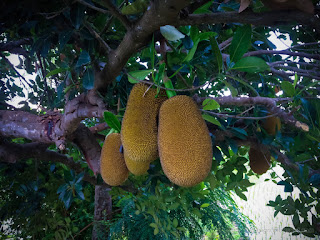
{"type": "Point", "coordinates": [115, 12]}
{"type": "Point", "coordinates": [285, 52]}
{"type": "Point", "coordinates": [269, 103]}
{"type": "Point", "coordinates": [274, 18]}
{"type": "Point", "coordinates": [93, 7]}
{"type": "Point", "coordinates": [159, 13]}
{"type": "Point", "coordinates": [15, 47]}
{"type": "Point", "coordinates": [103, 44]}
{"type": "Point", "coordinates": [13, 152]}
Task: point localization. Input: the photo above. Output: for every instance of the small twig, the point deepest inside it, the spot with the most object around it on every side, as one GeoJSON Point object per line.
{"type": "Point", "coordinates": [183, 79]}
{"type": "Point", "coordinates": [278, 63]}
{"type": "Point", "coordinates": [83, 229]}
{"type": "Point", "coordinates": [284, 52]}
{"type": "Point", "coordinates": [300, 71]}
{"type": "Point", "coordinates": [104, 45]}
{"type": "Point", "coordinates": [305, 44]}
{"type": "Point", "coordinates": [99, 127]}
{"type": "Point", "coordinates": [225, 44]}
{"type": "Point", "coordinates": [171, 89]}
{"type": "Point", "coordinates": [54, 14]}
{"type": "Point", "coordinates": [109, 21]}
{"type": "Point", "coordinates": [223, 115]}
{"type": "Point", "coordinates": [93, 7]}
{"type": "Point", "coordinates": [115, 12]}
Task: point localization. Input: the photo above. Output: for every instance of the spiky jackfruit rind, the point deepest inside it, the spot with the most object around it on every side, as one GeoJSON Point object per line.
{"type": "Point", "coordinates": [272, 125]}
{"type": "Point", "coordinates": [259, 160]}
{"type": "Point", "coordinates": [139, 125]}
{"type": "Point", "coordinates": [185, 146]}
{"type": "Point", "coordinates": [136, 168]}
{"type": "Point", "coordinates": [112, 164]}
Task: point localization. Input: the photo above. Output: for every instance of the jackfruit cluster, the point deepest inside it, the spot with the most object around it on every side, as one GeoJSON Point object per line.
{"type": "Point", "coordinates": [185, 146]}
{"type": "Point", "coordinates": [272, 125]}
{"type": "Point", "coordinates": [139, 130]}
{"type": "Point", "coordinates": [259, 160]}
{"type": "Point", "coordinates": [112, 164]}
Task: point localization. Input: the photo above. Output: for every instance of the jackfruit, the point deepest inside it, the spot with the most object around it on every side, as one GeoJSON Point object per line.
{"type": "Point", "coordinates": [135, 167]}
{"type": "Point", "coordinates": [139, 130]}
{"type": "Point", "coordinates": [272, 125]}
{"type": "Point", "coordinates": [259, 160]}
{"type": "Point", "coordinates": [112, 165]}
{"type": "Point", "coordinates": [185, 146]}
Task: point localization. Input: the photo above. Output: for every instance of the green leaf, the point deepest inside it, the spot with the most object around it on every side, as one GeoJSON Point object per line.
{"type": "Point", "coordinates": [251, 65]}
{"type": "Point", "coordinates": [88, 79]}
{"type": "Point", "coordinates": [139, 74]}
{"type": "Point", "coordinates": [210, 104]}
{"type": "Point", "coordinates": [136, 7]}
{"type": "Point", "coordinates": [77, 14]}
{"type": "Point", "coordinates": [288, 88]}
{"type": "Point", "coordinates": [64, 37]}
{"type": "Point", "coordinates": [84, 59]}
{"type": "Point", "coordinates": [287, 186]}
{"type": "Point", "coordinates": [233, 90]}
{"type": "Point", "coordinates": [240, 43]}
{"type": "Point", "coordinates": [217, 52]}
{"type": "Point", "coordinates": [175, 222]}
{"type": "Point", "coordinates": [241, 131]}
{"type": "Point", "coordinates": [171, 33]}
{"type": "Point", "coordinates": [205, 205]}
{"type": "Point", "coordinates": [296, 78]}
{"type": "Point", "coordinates": [156, 231]}
{"type": "Point", "coordinates": [56, 71]}
{"type": "Point", "coordinates": [191, 53]}
{"type": "Point", "coordinates": [154, 225]}
{"type": "Point", "coordinates": [240, 194]}
{"type": "Point", "coordinates": [211, 119]}
{"type": "Point", "coordinates": [112, 120]}
{"type": "Point", "coordinates": [288, 229]}
{"type": "Point", "coordinates": [204, 8]}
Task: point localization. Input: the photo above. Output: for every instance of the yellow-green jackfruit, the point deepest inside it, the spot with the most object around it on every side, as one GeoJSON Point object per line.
{"type": "Point", "coordinates": [259, 160]}
{"type": "Point", "coordinates": [272, 125]}
{"type": "Point", "coordinates": [139, 125]}
{"type": "Point", "coordinates": [184, 142]}
{"type": "Point", "coordinates": [112, 165]}
{"type": "Point", "coordinates": [136, 168]}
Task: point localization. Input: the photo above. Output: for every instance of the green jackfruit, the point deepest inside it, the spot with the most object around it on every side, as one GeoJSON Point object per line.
{"type": "Point", "coordinates": [259, 160]}
{"type": "Point", "coordinates": [185, 146]}
{"type": "Point", "coordinates": [139, 125]}
{"type": "Point", "coordinates": [112, 165]}
{"type": "Point", "coordinates": [136, 168]}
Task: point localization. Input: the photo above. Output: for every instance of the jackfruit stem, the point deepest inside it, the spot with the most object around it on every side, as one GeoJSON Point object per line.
{"type": "Point", "coordinates": [168, 84]}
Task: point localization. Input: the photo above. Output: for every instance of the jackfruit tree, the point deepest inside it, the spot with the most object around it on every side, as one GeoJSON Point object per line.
{"type": "Point", "coordinates": [230, 93]}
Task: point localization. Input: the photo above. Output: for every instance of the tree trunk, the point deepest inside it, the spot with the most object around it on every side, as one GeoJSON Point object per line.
{"type": "Point", "coordinates": [102, 212]}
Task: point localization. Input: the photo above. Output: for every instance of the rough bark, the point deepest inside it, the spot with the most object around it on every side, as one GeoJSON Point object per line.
{"type": "Point", "coordinates": [102, 211]}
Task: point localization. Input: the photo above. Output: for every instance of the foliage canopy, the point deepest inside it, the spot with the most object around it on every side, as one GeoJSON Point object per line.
{"type": "Point", "coordinates": [83, 57]}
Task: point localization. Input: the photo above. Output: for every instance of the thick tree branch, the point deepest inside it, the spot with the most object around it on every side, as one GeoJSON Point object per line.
{"type": "Point", "coordinates": [13, 152]}
{"type": "Point", "coordinates": [25, 125]}
{"type": "Point", "coordinates": [159, 13]}
{"type": "Point", "coordinates": [89, 146]}
{"type": "Point", "coordinates": [274, 18]}
{"type": "Point", "coordinates": [15, 47]}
